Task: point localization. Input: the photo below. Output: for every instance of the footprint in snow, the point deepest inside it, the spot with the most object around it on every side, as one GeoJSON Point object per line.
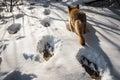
{"type": "Point", "coordinates": [46, 47]}
{"type": "Point", "coordinates": [46, 22]}
{"type": "Point", "coordinates": [90, 67]}
{"type": "Point", "coordinates": [46, 4]}
{"type": "Point", "coordinates": [46, 12]}
{"type": "Point", "coordinates": [14, 28]}
{"type": "Point", "coordinates": [94, 63]}
{"type": "Point", "coordinates": [19, 16]}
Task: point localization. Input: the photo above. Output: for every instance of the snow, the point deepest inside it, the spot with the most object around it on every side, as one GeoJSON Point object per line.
{"type": "Point", "coordinates": [21, 53]}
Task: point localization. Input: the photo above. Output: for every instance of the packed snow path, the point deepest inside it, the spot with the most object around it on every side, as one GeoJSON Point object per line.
{"type": "Point", "coordinates": [21, 55]}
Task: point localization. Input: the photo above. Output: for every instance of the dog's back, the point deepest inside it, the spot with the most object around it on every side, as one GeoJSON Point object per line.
{"type": "Point", "coordinates": [77, 22]}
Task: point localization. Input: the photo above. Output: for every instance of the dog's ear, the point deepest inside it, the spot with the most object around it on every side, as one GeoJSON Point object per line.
{"type": "Point", "coordinates": [77, 6]}
{"type": "Point", "coordinates": [69, 7]}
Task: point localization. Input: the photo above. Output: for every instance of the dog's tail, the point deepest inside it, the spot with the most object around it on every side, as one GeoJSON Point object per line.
{"type": "Point", "coordinates": [79, 30]}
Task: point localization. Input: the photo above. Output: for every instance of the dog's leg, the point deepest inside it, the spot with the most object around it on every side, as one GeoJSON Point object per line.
{"type": "Point", "coordinates": [71, 27]}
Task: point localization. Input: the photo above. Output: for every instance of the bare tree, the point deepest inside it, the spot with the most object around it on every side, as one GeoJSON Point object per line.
{"type": "Point", "coordinates": [12, 4]}
{"type": "Point", "coordinates": [9, 4]}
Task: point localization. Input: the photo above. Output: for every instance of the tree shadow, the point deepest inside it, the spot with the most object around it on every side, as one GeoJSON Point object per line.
{"type": "Point", "coordinates": [16, 75]}
{"type": "Point", "coordinates": [94, 43]}
{"type": "Point", "coordinates": [103, 14]}
{"type": "Point", "coordinates": [30, 8]}
{"type": "Point", "coordinates": [115, 11]}
{"type": "Point", "coordinates": [62, 9]}
{"type": "Point", "coordinates": [2, 74]}
{"type": "Point", "coordinates": [0, 60]}
{"type": "Point", "coordinates": [20, 37]}
{"type": "Point", "coordinates": [104, 25]}
{"type": "Point", "coordinates": [60, 18]}
{"type": "Point", "coordinates": [45, 4]}
{"type": "Point", "coordinates": [3, 47]}
{"type": "Point", "coordinates": [104, 4]}
{"type": "Point", "coordinates": [7, 17]}
{"type": "Point", "coordinates": [11, 16]}
{"type": "Point", "coordinates": [25, 14]}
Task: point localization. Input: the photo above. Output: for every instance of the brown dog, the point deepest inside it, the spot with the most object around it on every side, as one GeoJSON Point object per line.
{"type": "Point", "coordinates": [77, 22]}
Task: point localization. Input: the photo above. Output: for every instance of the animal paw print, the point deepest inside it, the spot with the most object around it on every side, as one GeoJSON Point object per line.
{"type": "Point", "coordinates": [46, 22]}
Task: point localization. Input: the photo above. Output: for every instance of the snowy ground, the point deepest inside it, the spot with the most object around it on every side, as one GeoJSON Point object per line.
{"type": "Point", "coordinates": [21, 46]}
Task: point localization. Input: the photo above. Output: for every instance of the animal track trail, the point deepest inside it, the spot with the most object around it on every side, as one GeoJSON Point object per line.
{"type": "Point", "coordinates": [46, 22]}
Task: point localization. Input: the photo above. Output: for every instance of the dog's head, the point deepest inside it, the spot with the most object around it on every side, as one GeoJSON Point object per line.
{"type": "Point", "coordinates": [72, 8]}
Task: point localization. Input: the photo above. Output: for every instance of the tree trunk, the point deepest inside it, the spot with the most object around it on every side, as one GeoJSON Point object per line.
{"type": "Point", "coordinates": [11, 5]}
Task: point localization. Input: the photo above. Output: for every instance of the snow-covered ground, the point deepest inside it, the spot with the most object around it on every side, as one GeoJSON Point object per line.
{"type": "Point", "coordinates": [22, 41]}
